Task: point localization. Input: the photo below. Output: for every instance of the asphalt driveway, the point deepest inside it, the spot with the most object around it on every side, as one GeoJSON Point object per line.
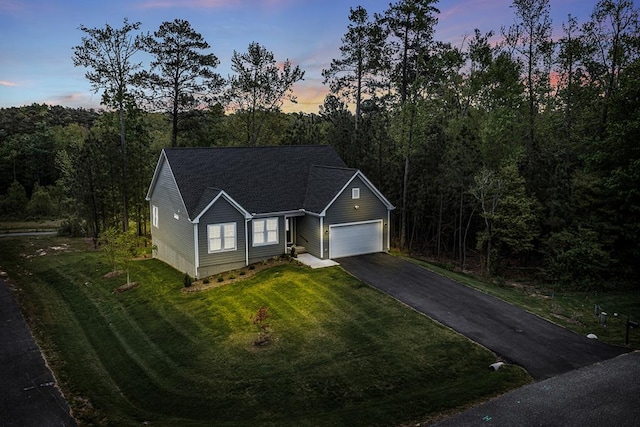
{"type": "Point", "coordinates": [541, 347]}
{"type": "Point", "coordinates": [603, 394]}
{"type": "Point", "coordinates": [28, 392]}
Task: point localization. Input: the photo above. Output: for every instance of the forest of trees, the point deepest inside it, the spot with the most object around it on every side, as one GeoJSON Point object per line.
{"type": "Point", "coordinates": [517, 155]}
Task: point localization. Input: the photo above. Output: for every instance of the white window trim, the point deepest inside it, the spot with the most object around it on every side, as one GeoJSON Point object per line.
{"type": "Point", "coordinates": [265, 231]}
{"type": "Point", "coordinates": [222, 227]}
{"type": "Point", "coordinates": [355, 193]}
{"type": "Point", "coordinates": [154, 216]}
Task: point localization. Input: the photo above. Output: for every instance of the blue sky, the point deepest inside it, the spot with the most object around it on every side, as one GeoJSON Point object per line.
{"type": "Point", "coordinates": [37, 36]}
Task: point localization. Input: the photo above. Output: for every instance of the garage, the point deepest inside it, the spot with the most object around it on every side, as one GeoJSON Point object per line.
{"type": "Point", "coordinates": [355, 238]}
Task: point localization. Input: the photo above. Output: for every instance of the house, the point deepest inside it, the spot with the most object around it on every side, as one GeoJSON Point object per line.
{"type": "Point", "coordinates": [220, 208]}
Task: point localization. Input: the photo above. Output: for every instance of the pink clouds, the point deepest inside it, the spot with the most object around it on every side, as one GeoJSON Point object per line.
{"type": "Point", "coordinates": [10, 6]}
{"type": "Point", "coordinates": [310, 96]}
{"type": "Point", "coordinates": [7, 83]}
{"type": "Point", "coordinates": [197, 4]}
{"type": "Point", "coordinates": [76, 100]}
{"type": "Point", "coordinates": [209, 4]}
{"type": "Point", "coordinates": [73, 97]}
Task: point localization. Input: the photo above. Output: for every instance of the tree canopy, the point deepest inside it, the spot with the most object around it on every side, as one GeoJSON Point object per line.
{"type": "Point", "coordinates": [517, 154]}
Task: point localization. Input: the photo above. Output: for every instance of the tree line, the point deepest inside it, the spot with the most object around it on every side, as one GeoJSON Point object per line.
{"type": "Point", "coordinates": [520, 154]}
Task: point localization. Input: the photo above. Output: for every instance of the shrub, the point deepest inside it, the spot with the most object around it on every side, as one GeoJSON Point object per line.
{"type": "Point", "coordinates": [187, 280]}
{"type": "Point", "coordinates": [242, 273]}
{"type": "Point", "coordinates": [205, 281]}
{"type": "Point", "coordinates": [252, 267]}
{"type": "Point", "coordinates": [40, 205]}
{"type": "Point", "coordinates": [577, 258]}
{"type": "Point", "coordinates": [232, 276]}
{"type": "Point", "coordinates": [73, 227]}
{"type": "Point", "coordinates": [15, 202]}
{"type": "Point", "coordinates": [220, 279]}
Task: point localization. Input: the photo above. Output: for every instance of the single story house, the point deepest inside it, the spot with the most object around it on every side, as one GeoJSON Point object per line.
{"type": "Point", "coordinates": [220, 208]}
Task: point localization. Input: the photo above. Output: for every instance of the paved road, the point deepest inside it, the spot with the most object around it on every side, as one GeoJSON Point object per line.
{"type": "Point", "coordinates": [541, 347]}
{"type": "Point", "coordinates": [28, 233]}
{"type": "Point", "coordinates": [603, 394]}
{"type": "Point", "coordinates": [28, 393]}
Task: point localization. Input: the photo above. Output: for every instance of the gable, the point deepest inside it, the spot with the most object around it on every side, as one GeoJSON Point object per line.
{"type": "Point", "coordinates": [358, 180]}
{"type": "Point", "coordinates": [323, 186]}
{"type": "Point", "coordinates": [209, 199]}
{"type": "Point", "coordinates": [163, 186]}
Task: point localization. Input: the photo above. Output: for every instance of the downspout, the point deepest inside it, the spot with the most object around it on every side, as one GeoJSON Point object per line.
{"type": "Point", "coordinates": [285, 235]}
{"type": "Point", "coordinates": [246, 241]}
{"type": "Point", "coordinates": [321, 238]}
{"type": "Point", "coordinates": [388, 230]}
{"type": "Point", "coordinates": [195, 249]}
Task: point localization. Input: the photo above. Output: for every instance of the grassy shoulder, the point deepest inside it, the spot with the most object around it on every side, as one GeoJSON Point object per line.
{"type": "Point", "coordinates": [571, 309]}
{"type": "Point", "coordinates": [342, 353]}
{"type": "Point", "coordinates": [29, 226]}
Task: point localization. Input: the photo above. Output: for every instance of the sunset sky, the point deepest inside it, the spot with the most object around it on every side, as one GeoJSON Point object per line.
{"type": "Point", "coordinates": [37, 36]}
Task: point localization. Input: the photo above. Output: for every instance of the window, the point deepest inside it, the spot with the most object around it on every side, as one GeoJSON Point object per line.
{"type": "Point", "coordinates": [154, 216]}
{"type": "Point", "coordinates": [222, 237]}
{"type": "Point", "coordinates": [265, 231]}
{"type": "Point", "coordinates": [355, 193]}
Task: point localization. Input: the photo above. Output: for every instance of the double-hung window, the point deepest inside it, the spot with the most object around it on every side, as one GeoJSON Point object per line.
{"type": "Point", "coordinates": [221, 237]}
{"type": "Point", "coordinates": [265, 231]}
{"type": "Point", "coordinates": [154, 216]}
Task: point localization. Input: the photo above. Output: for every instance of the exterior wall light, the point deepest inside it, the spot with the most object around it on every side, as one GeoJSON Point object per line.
{"type": "Point", "coordinates": [357, 207]}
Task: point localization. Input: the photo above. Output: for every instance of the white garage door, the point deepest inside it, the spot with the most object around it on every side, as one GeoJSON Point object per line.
{"type": "Point", "coordinates": [355, 239]}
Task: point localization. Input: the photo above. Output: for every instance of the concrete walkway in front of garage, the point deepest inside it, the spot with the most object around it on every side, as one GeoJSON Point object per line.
{"type": "Point", "coordinates": [313, 262]}
{"type": "Point", "coordinates": [543, 348]}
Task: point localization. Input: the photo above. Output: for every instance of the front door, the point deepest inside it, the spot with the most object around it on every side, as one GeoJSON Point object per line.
{"type": "Point", "coordinates": [290, 225]}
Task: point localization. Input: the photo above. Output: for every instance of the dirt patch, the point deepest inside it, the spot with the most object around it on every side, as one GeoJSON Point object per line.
{"type": "Point", "coordinates": [113, 274]}
{"type": "Point", "coordinates": [574, 320]}
{"type": "Point", "coordinates": [126, 287]}
{"type": "Point", "coordinates": [63, 247]}
{"type": "Point", "coordinates": [530, 290]}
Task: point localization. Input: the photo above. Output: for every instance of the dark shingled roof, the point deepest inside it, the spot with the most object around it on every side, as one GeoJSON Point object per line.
{"type": "Point", "coordinates": [260, 179]}
{"type": "Point", "coordinates": [324, 184]}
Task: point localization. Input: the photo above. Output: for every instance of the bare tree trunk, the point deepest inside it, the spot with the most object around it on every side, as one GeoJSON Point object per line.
{"type": "Point", "coordinates": [439, 227]}
{"type": "Point", "coordinates": [489, 225]}
{"type": "Point", "coordinates": [405, 184]}
{"type": "Point", "coordinates": [125, 196]}
{"type": "Point", "coordinates": [460, 250]}
{"type": "Point", "coordinates": [403, 222]}
{"type": "Point", "coordinates": [464, 240]}
{"type": "Point", "coordinates": [174, 124]}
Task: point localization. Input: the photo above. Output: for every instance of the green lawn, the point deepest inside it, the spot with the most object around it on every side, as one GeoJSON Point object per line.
{"type": "Point", "coordinates": [342, 352]}
{"type": "Point", "coordinates": [571, 309]}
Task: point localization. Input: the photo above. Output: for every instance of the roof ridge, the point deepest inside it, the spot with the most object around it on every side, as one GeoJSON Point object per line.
{"type": "Point", "coordinates": [245, 147]}
{"type": "Point", "coordinates": [334, 167]}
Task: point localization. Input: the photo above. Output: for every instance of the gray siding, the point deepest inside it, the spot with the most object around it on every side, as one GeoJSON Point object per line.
{"type": "Point", "coordinates": [221, 212]}
{"type": "Point", "coordinates": [173, 237]}
{"type": "Point", "coordinates": [308, 234]}
{"type": "Point", "coordinates": [259, 253]}
{"type": "Point", "coordinates": [343, 210]}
